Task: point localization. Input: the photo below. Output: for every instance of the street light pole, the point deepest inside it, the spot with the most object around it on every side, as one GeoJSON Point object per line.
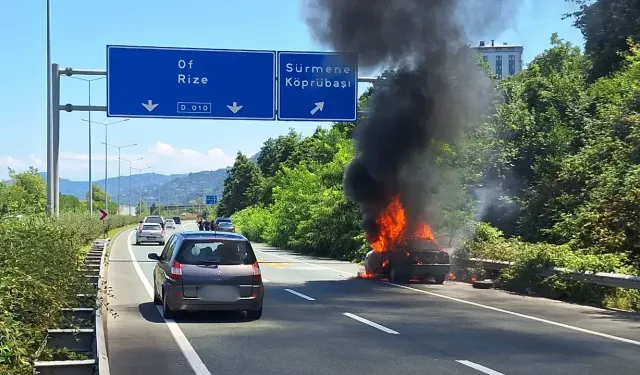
{"type": "Point", "coordinates": [50, 128]}
{"type": "Point", "coordinates": [119, 149]}
{"type": "Point", "coordinates": [90, 158]}
{"type": "Point", "coordinates": [140, 174]}
{"type": "Point", "coordinates": [106, 161]}
{"type": "Point", "coordinates": [130, 168]}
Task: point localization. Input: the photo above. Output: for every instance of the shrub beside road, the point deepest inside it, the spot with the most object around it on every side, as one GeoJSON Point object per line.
{"type": "Point", "coordinates": [40, 259]}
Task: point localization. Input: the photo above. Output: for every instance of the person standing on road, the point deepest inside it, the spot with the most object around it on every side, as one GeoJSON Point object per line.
{"type": "Point", "coordinates": [206, 224]}
{"type": "Point", "coordinates": [200, 224]}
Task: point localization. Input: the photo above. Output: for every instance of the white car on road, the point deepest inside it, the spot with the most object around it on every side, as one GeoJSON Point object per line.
{"type": "Point", "coordinates": [170, 223]}
{"type": "Point", "coordinates": [150, 232]}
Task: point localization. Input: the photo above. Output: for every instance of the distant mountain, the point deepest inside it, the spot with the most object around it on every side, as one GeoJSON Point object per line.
{"type": "Point", "coordinates": [175, 188]}
{"type": "Point", "coordinates": [194, 186]}
{"type": "Point", "coordinates": [154, 187]}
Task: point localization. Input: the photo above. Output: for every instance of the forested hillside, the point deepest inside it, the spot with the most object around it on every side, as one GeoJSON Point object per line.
{"type": "Point", "coordinates": [550, 178]}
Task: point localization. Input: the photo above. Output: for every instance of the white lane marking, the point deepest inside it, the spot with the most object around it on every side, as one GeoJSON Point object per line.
{"type": "Point", "coordinates": [300, 295]}
{"type": "Point", "coordinates": [529, 317]}
{"type": "Point", "coordinates": [372, 324]}
{"type": "Point", "coordinates": [478, 367]}
{"type": "Point", "coordinates": [190, 354]}
{"type": "Point", "coordinates": [583, 330]}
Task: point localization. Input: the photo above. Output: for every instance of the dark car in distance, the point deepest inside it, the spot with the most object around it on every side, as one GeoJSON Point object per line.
{"type": "Point", "coordinates": [177, 220]}
{"type": "Point", "coordinates": [225, 226]}
{"type": "Point", "coordinates": [207, 271]}
{"type": "Point", "coordinates": [221, 220]}
{"type": "Point", "coordinates": [413, 259]}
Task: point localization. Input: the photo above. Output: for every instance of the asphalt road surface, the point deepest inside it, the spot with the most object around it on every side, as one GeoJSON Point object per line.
{"type": "Point", "coordinates": [319, 319]}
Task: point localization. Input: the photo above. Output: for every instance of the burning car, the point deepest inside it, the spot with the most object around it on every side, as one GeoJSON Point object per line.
{"type": "Point", "coordinates": [402, 251]}
{"type": "Point", "coordinates": [412, 258]}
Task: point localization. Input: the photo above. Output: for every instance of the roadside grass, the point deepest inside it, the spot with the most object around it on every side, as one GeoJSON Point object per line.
{"type": "Point", "coordinates": [40, 259]}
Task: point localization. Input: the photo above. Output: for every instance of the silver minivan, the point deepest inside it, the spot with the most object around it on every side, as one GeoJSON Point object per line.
{"type": "Point", "coordinates": [208, 271]}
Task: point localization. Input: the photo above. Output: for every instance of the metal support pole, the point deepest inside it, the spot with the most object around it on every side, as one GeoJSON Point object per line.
{"type": "Point", "coordinates": [140, 190]}
{"type": "Point", "coordinates": [106, 163]}
{"type": "Point", "coordinates": [55, 99]}
{"type": "Point", "coordinates": [130, 188]}
{"type": "Point", "coordinates": [90, 158]}
{"type": "Point", "coordinates": [118, 212]}
{"type": "Point", "coordinates": [50, 110]}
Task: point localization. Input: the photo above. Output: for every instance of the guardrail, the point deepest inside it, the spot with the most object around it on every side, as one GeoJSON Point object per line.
{"type": "Point", "coordinates": [599, 278]}
{"type": "Point", "coordinates": [87, 336]}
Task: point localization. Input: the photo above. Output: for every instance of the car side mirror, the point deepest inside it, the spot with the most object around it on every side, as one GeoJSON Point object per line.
{"type": "Point", "coordinates": [153, 256]}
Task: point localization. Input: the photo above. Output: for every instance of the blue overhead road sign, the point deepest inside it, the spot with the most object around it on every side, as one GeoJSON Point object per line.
{"type": "Point", "coordinates": [211, 199]}
{"type": "Point", "coordinates": [317, 86]}
{"type": "Point", "coordinates": [160, 82]}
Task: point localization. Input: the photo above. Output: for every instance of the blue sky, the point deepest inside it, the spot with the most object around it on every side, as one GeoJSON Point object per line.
{"type": "Point", "coordinates": [82, 29]}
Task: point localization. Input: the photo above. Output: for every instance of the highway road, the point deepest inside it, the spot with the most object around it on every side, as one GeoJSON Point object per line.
{"type": "Point", "coordinates": [319, 319]}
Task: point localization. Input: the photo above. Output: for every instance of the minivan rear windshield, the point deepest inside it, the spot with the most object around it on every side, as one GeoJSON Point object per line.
{"type": "Point", "coordinates": [156, 219]}
{"type": "Point", "coordinates": [222, 252]}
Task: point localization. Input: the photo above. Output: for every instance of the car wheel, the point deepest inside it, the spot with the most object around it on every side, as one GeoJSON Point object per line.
{"type": "Point", "coordinates": [439, 279]}
{"type": "Point", "coordinates": [156, 299]}
{"type": "Point", "coordinates": [254, 314]}
{"type": "Point", "coordinates": [167, 313]}
{"type": "Point", "coordinates": [395, 277]}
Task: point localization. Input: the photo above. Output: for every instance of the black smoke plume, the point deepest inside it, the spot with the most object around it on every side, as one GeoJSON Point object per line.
{"type": "Point", "coordinates": [437, 89]}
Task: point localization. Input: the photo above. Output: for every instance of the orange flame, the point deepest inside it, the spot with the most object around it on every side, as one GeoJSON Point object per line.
{"type": "Point", "coordinates": [392, 223]}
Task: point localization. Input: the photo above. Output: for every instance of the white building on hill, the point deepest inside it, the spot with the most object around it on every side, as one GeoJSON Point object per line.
{"type": "Point", "coordinates": [504, 59]}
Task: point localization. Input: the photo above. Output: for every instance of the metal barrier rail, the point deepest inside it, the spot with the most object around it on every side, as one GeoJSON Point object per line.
{"type": "Point", "coordinates": [102, 358]}
{"type": "Point", "coordinates": [599, 278]}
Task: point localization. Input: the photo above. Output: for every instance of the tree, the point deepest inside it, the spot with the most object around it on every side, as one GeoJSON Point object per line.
{"type": "Point", "coordinates": [142, 209]}
{"type": "Point", "coordinates": [28, 191]}
{"type": "Point", "coordinates": [605, 26]}
{"type": "Point", "coordinates": [154, 209]}
{"type": "Point", "coordinates": [99, 197]}
{"type": "Point", "coordinates": [71, 203]}
{"type": "Point", "coordinates": [240, 187]}
{"type": "Point", "coordinates": [275, 152]}
{"type": "Point", "coordinates": [520, 150]}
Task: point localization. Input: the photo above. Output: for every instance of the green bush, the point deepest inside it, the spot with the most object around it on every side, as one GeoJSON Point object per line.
{"type": "Point", "coordinates": [253, 222]}
{"type": "Point", "coordinates": [40, 259]}
{"type": "Point", "coordinates": [521, 276]}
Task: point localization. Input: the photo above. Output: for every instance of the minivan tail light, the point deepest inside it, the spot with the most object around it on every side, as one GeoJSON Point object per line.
{"type": "Point", "coordinates": [176, 270]}
{"type": "Point", "coordinates": [257, 274]}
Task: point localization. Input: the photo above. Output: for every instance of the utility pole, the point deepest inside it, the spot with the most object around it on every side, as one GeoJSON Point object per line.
{"type": "Point", "coordinates": [140, 201]}
{"type": "Point", "coordinates": [89, 141]}
{"type": "Point", "coordinates": [130, 168]}
{"type": "Point", "coordinates": [106, 158]}
{"type": "Point", "coordinates": [119, 175]}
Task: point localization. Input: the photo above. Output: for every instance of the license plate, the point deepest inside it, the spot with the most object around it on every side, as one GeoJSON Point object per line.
{"type": "Point", "coordinates": [218, 293]}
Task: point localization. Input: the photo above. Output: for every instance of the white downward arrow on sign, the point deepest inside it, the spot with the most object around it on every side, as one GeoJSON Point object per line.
{"type": "Point", "coordinates": [235, 107]}
{"type": "Point", "coordinates": [149, 105]}
{"type": "Point", "coordinates": [319, 106]}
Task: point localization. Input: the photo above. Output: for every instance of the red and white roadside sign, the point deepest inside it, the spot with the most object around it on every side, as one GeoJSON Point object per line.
{"type": "Point", "coordinates": [103, 214]}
